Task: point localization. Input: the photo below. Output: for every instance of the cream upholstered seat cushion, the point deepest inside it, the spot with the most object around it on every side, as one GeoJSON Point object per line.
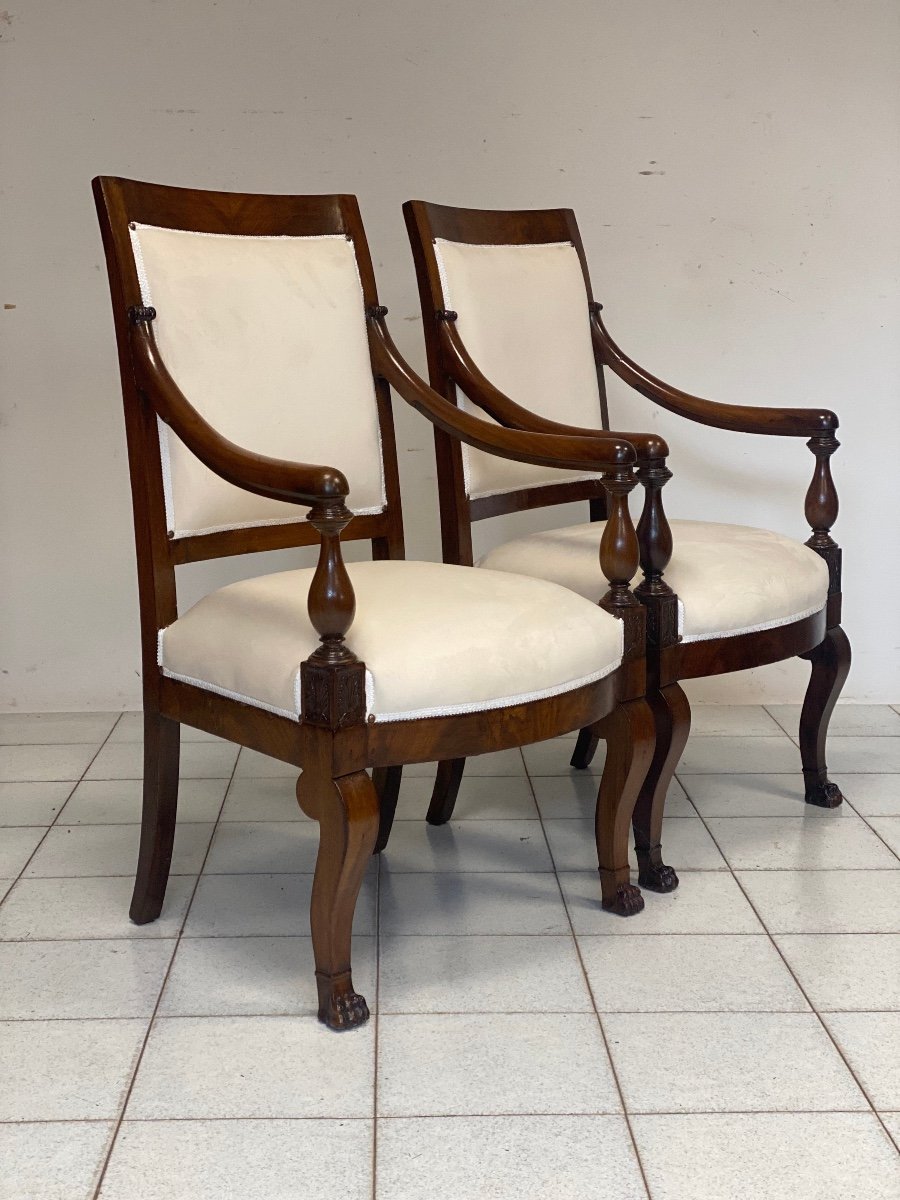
{"type": "Point", "coordinates": [522, 312]}
{"type": "Point", "coordinates": [266, 337]}
{"type": "Point", "coordinates": [436, 639]}
{"type": "Point", "coordinates": [730, 579]}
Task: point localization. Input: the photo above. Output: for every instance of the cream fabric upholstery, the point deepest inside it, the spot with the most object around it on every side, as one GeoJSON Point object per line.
{"type": "Point", "coordinates": [730, 579]}
{"type": "Point", "coordinates": [266, 337]}
{"type": "Point", "coordinates": [523, 317]}
{"type": "Point", "coordinates": [435, 639]}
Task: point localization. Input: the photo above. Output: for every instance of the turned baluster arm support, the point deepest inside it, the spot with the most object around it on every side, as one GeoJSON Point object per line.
{"type": "Point", "coordinates": [655, 540]}
{"type": "Point", "coordinates": [821, 509]}
{"type": "Point", "coordinates": [332, 679]}
{"type": "Point", "coordinates": [620, 557]}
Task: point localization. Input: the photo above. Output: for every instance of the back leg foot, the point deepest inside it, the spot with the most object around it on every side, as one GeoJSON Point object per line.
{"type": "Point", "coordinates": [585, 748]}
{"type": "Point", "coordinates": [446, 789]}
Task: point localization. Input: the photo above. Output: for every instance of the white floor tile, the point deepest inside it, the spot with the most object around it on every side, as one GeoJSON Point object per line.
{"type": "Point", "coordinates": [686, 845]}
{"type": "Point", "coordinates": [254, 976]}
{"type": "Point", "coordinates": [202, 1067]}
{"type": "Point", "coordinates": [37, 763]}
{"type": "Point", "coordinates": [467, 846]}
{"type": "Point", "coordinates": [130, 728]}
{"type": "Point", "coordinates": [871, 795]}
{"type": "Point", "coordinates": [880, 755]}
{"type": "Point", "coordinates": [44, 980]}
{"type": "Point", "coordinates": [739, 755]}
{"type": "Point", "coordinates": [266, 799]}
{"type": "Point", "coordinates": [825, 901]}
{"type": "Point", "coordinates": [253, 765]}
{"type": "Point", "coordinates": [48, 1161]}
{"type": "Point", "coordinates": [732, 720]}
{"type": "Point", "coordinates": [461, 903]}
{"type": "Point", "coordinates": [58, 729]}
{"type": "Point", "coordinates": [705, 902]}
{"type": "Point", "coordinates": [692, 973]}
{"type": "Point", "coordinates": [799, 843]}
{"type": "Point", "coordinates": [241, 848]}
{"type": "Point", "coordinates": [198, 760]}
{"type": "Point", "coordinates": [552, 758]}
{"type": "Point", "coordinates": [500, 762]}
{"type": "Point", "coordinates": [575, 795]}
{"type": "Point", "coordinates": [481, 974]}
{"type": "Point", "coordinates": [871, 1042]}
{"type": "Point", "coordinates": [481, 798]}
{"type": "Point", "coordinates": [764, 1156]}
{"type": "Point", "coordinates": [66, 1070]}
{"type": "Point", "coordinates": [71, 850]}
{"type": "Point", "coordinates": [846, 971]}
{"type": "Point", "coordinates": [44, 909]}
{"type": "Point", "coordinates": [728, 1062]}
{"type": "Point", "coordinates": [507, 1158]}
{"type": "Point", "coordinates": [16, 847]}
{"type": "Point", "coordinates": [847, 720]}
{"type": "Point", "coordinates": [32, 803]}
{"type": "Point", "coordinates": [253, 1160]}
{"type": "Point", "coordinates": [120, 801]}
{"type": "Point", "coordinates": [888, 828]}
{"type": "Point", "coordinates": [493, 1063]}
{"type": "Point", "coordinates": [265, 906]}
{"type": "Point", "coordinates": [754, 796]}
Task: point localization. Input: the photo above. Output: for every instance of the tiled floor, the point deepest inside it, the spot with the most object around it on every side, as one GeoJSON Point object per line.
{"type": "Point", "coordinates": [524, 1043]}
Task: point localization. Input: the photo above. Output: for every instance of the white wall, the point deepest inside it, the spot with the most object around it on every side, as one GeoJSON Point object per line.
{"type": "Point", "coordinates": [733, 167]}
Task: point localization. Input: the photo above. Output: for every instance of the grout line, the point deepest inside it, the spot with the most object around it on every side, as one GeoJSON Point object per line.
{"type": "Point", "coordinates": [152, 1021]}
{"type": "Point", "coordinates": [693, 1112]}
{"type": "Point", "coordinates": [590, 990]}
{"type": "Point", "coordinates": [803, 991]}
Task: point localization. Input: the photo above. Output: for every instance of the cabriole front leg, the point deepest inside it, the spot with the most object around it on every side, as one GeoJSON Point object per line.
{"type": "Point", "coordinates": [830, 666]}
{"type": "Point", "coordinates": [672, 715]}
{"type": "Point", "coordinates": [629, 733]}
{"type": "Point", "coordinates": [347, 810]}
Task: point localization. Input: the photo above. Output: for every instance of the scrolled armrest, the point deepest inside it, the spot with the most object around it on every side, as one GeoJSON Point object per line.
{"type": "Point", "coordinates": [277, 478]}
{"type": "Point", "coordinates": [577, 453]}
{"type": "Point", "coordinates": [741, 418]}
{"type": "Point", "coordinates": [465, 373]}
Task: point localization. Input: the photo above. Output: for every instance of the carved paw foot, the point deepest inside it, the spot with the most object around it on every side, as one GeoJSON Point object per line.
{"type": "Point", "coordinates": [824, 795]}
{"type": "Point", "coordinates": [344, 1011]}
{"type": "Point", "coordinates": [626, 902]}
{"type": "Point", "coordinates": [657, 877]}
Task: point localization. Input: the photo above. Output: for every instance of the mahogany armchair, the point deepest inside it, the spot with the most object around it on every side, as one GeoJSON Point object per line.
{"type": "Point", "coordinates": [513, 332]}
{"type": "Point", "coordinates": [251, 339]}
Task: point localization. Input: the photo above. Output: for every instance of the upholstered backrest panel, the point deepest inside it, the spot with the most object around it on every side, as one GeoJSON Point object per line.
{"type": "Point", "coordinates": [266, 337]}
{"type": "Point", "coordinates": [523, 316]}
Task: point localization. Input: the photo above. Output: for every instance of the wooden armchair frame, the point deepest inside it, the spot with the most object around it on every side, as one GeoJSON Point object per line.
{"type": "Point", "coordinates": [333, 742]}
{"type": "Point", "coordinates": [818, 638]}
